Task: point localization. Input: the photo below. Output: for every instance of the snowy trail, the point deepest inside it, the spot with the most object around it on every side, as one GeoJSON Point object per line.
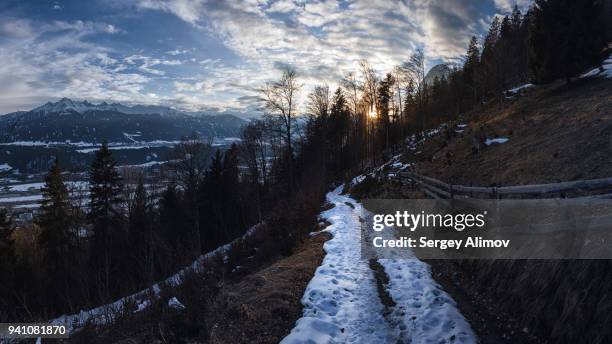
{"type": "Point", "coordinates": [341, 302]}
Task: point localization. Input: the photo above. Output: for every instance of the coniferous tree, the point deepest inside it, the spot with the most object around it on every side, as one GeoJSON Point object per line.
{"type": "Point", "coordinates": [212, 199]}
{"type": "Point", "coordinates": [384, 97]}
{"type": "Point", "coordinates": [8, 261]}
{"type": "Point", "coordinates": [235, 212]}
{"type": "Point", "coordinates": [57, 240]}
{"type": "Point", "coordinates": [470, 68]}
{"type": "Point", "coordinates": [141, 235]}
{"type": "Point", "coordinates": [173, 228]}
{"type": "Point", "coordinates": [565, 37]}
{"type": "Point", "coordinates": [339, 134]}
{"type": "Point", "coordinates": [191, 158]}
{"type": "Point", "coordinates": [490, 77]}
{"type": "Point", "coordinates": [108, 239]}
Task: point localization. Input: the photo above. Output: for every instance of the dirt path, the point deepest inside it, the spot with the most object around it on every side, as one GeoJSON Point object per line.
{"type": "Point", "coordinates": [355, 300]}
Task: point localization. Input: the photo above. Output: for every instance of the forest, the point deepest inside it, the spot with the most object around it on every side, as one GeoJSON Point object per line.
{"type": "Point", "coordinates": [138, 228]}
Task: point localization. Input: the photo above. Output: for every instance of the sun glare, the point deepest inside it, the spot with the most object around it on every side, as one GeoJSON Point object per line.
{"type": "Point", "coordinates": [372, 113]}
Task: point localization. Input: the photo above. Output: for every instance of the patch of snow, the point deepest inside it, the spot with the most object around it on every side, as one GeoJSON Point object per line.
{"type": "Point", "coordinates": [519, 88]}
{"type": "Point", "coordinates": [357, 180]}
{"type": "Point", "coordinates": [605, 70]}
{"type": "Point", "coordinates": [341, 304]}
{"type": "Point", "coordinates": [174, 303]}
{"type": "Point", "coordinates": [146, 164]}
{"type": "Point", "coordinates": [131, 136]}
{"type": "Point", "coordinates": [498, 140]}
{"type": "Point", "coordinates": [26, 187]}
{"type": "Point", "coordinates": [142, 306]}
{"type": "Point", "coordinates": [423, 311]}
{"type": "Point", "coordinates": [27, 206]}
{"type": "Point", "coordinates": [232, 139]}
{"type": "Point", "coordinates": [21, 199]}
{"type": "Point", "coordinates": [107, 313]}
{"type": "Point", "coordinates": [5, 167]}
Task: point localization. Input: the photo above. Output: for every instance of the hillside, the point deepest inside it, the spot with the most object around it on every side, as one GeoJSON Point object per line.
{"type": "Point", "coordinates": [67, 120]}
{"type": "Point", "coordinates": [549, 133]}
{"type": "Point", "coordinates": [554, 133]}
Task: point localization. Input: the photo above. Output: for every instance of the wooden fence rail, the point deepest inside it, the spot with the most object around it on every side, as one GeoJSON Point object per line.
{"type": "Point", "coordinates": [439, 189]}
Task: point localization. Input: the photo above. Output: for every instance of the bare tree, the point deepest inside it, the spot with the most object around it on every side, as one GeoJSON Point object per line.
{"type": "Point", "coordinates": [319, 101]}
{"type": "Point", "coordinates": [280, 101]}
{"type": "Point", "coordinates": [416, 69]}
{"type": "Point", "coordinates": [370, 83]}
{"type": "Point", "coordinates": [189, 162]}
{"type": "Point", "coordinates": [254, 150]}
{"type": "Point", "coordinates": [402, 78]}
{"type": "Point", "coordinates": [351, 87]}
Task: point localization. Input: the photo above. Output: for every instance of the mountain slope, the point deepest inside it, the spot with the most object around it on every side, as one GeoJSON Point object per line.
{"type": "Point", "coordinates": [440, 71]}
{"type": "Point", "coordinates": [67, 120]}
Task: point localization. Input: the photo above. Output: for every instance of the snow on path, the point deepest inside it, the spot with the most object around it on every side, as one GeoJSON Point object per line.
{"type": "Point", "coordinates": [341, 303]}
{"type": "Point", "coordinates": [424, 312]}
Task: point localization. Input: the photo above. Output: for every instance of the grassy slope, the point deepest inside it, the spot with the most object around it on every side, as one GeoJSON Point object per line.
{"type": "Point", "coordinates": [555, 134]}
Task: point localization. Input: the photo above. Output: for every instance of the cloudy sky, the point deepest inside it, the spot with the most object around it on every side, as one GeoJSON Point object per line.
{"type": "Point", "coordinates": [199, 54]}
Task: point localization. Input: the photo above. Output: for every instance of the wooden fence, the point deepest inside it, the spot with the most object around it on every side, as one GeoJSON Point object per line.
{"type": "Point", "coordinates": [594, 188]}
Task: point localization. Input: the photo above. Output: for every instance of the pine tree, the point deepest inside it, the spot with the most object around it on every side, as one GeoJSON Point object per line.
{"type": "Point", "coordinates": [141, 235]}
{"type": "Point", "coordinates": [57, 240]}
{"type": "Point", "coordinates": [7, 263]}
{"type": "Point", "coordinates": [173, 228]}
{"type": "Point", "coordinates": [384, 97]}
{"type": "Point", "coordinates": [338, 134]}
{"type": "Point", "coordinates": [470, 69]}
{"type": "Point", "coordinates": [491, 78]}
{"type": "Point", "coordinates": [234, 210]}
{"type": "Point", "coordinates": [105, 197]}
{"type": "Point", "coordinates": [213, 198]}
{"type": "Point", "coordinates": [565, 38]}
{"type": "Point", "coordinates": [7, 245]}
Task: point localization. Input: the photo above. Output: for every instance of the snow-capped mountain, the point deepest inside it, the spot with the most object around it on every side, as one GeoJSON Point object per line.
{"type": "Point", "coordinates": [82, 121]}
{"type": "Point", "coordinates": [81, 107]}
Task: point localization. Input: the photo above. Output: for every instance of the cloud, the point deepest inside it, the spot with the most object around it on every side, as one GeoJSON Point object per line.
{"type": "Point", "coordinates": [447, 26]}
{"type": "Point", "coordinates": [49, 60]}
{"type": "Point", "coordinates": [15, 28]}
{"type": "Point", "coordinates": [282, 6]}
{"type": "Point", "coordinates": [187, 10]}
{"type": "Point", "coordinates": [177, 52]}
{"type": "Point", "coordinates": [146, 63]}
{"type": "Point", "coordinates": [111, 29]}
{"type": "Point", "coordinates": [506, 6]}
{"type": "Point", "coordinates": [322, 39]}
{"type": "Point", "coordinates": [313, 33]}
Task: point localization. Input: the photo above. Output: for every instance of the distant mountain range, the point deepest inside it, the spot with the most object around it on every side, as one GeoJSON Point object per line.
{"type": "Point", "coordinates": [82, 121]}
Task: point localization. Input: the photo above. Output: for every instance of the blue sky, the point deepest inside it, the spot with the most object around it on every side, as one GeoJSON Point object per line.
{"type": "Point", "coordinates": [212, 55]}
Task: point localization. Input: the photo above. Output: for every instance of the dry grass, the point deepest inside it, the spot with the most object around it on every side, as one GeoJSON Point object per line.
{"type": "Point", "coordinates": [264, 306]}
{"type": "Point", "coordinates": [556, 134]}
